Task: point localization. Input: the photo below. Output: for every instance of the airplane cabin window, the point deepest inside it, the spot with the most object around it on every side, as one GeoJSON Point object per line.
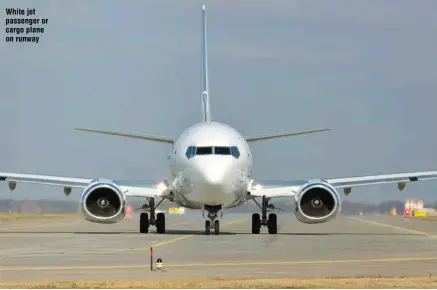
{"type": "Point", "coordinates": [235, 152]}
{"type": "Point", "coordinates": [190, 152]}
{"type": "Point", "coordinates": [222, 150]}
{"type": "Point", "coordinates": [203, 150]}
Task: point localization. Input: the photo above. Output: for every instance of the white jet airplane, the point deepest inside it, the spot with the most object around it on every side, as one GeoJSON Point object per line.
{"type": "Point", "coordinates": [211, 170]}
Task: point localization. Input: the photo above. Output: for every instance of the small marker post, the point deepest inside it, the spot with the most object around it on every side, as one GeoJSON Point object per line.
{"type": "Point", "coordinates": [151, 258]}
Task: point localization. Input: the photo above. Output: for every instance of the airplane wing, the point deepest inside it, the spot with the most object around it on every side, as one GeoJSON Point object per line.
{"type": "Point", "coordinates": [128, 135]}
{"type": "Point", "coordinates": [280, 135]}
{"type": "Point", "coordinates": [141, 188]}
{"type": "Point", "coordinates": [291, 188]}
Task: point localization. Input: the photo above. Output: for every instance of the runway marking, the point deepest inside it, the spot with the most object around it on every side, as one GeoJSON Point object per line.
{"type": "Point", "coordinates": [430, 235]}
{"type": "Point", "coordinates": [106, 251]}
{"type": "Point", "coordinates": [190, 235]}
{"type": "Point", "coordinates": [180, 223]}
{"type": "Point", "coordinates": [226, 264]}
{"type": "Point", "coordinates": [32, 225]}
{"type": "Point", "coordinates": [58, 223]}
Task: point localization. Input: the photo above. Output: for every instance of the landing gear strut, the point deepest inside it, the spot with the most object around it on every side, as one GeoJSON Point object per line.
{"type": "Point", "coordinates": [258, 222]}
{"type": "Point", "coordinates": [145, 221]}
{"type": "Point", "coordinates": [212, 223]}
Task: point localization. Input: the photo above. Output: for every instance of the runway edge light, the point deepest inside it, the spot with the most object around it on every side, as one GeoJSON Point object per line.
{"type": "Point", "coordinates": [159, 264]}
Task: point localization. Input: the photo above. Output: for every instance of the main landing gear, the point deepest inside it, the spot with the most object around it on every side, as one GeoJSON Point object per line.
{"type": "Point", "coordinates": [145, 221]}
{"type": "Point", "coordinates": [271, 222]}
{"type": "Point", "coordinates": [212, 223]}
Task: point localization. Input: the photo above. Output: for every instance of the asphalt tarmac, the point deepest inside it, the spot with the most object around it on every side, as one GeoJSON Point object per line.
{"type": "Point", "coordinates": [76, 250]}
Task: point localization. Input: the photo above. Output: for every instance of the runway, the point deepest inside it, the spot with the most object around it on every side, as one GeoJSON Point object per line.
{"type": "Point", "coordinates": [77, 250]}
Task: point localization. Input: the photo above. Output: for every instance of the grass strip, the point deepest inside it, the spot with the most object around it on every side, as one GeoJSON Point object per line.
{"type": "Point", "coordinates": [356, 283]}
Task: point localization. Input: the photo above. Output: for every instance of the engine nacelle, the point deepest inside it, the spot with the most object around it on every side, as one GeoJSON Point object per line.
{"type": "Point", "coordinates": [317, 202]}
{"type": "Point", "coordinates": [103, 202]}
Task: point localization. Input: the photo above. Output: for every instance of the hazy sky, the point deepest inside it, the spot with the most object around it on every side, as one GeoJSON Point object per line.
{"type": "Point", "coordinates": [366, 69]}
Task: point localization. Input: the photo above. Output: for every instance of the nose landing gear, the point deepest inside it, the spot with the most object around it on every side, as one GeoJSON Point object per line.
{"type": "Point", "coordinates": [212, 223]}
{"type": "Point", "coordinates": [209, 225]}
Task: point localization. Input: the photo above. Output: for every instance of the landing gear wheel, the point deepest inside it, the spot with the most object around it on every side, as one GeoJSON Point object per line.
{"type": "Point", "coordinates": [207, 228]}
{"type": "Point", "coordinates": [144, 223]}
{"type": "Point", "coordinates": [272, 224]}
{"type": "Point", "coordinates": [160, 223]}
{"type": "Point", "coordinates": [256, 223]}
{"type": "Point", "coordinates": [217, 228]}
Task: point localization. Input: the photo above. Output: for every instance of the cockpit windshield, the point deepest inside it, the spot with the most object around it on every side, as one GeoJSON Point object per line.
{"type": "Point", "coordinates": [204, 150]}
{"type": "Point", "coordinates": [222, 150]}
{"type": "Point", "coordinates": [212, 150]}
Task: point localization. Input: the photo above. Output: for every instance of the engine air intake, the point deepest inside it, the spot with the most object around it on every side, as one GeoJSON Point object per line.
{"type": "Point", "coordinates": [317, 202]}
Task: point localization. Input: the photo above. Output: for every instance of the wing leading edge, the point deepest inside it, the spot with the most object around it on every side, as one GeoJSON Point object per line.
{"type": "Point", "coordinates": [290, 188]}
{"type": "Point", "coordinates": [142, 188]}
{"type": "Point", "coordinates": [132, 136]}
{"type": "Point", "coordinates": [281, 135]}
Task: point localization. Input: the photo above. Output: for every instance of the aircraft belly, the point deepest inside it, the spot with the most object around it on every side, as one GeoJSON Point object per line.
{"type": "Point", "coordinates": [200, 196]}
{"type": "Point", "coordinates": [211, 197]}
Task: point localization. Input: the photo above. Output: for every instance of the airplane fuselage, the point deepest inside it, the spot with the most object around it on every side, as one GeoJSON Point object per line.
{"type": "Point", "coordinates": [210, 164]}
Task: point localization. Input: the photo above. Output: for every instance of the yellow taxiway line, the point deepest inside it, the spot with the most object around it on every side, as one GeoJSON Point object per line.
{"type": "Point", "coordinates": [106, 251]}
{"type": "Point", "coordinates": [32, 225]}
{"type": "Point", "coordinates": [226, 264]}
{"type": "Point", "coordinates": [189, 236]}
{"type": "Point", "coordinates": [420, 233]}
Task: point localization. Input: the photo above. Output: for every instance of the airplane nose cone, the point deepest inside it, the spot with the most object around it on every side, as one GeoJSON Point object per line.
{"type": "Point", "coordinates": [214, 175]}
{"type": "Point", "coordinates": [212, 178]}
{"type": "Point", "coordinates": [214, 171]}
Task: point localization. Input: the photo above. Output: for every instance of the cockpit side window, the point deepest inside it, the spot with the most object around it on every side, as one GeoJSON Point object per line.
{"type": "Point", "coordinates": [222, 150]}
{"type": "Point", "coordinates": [191, 151]}
{"type": "Point", "coordinates": [203, 150]}
{"type": "Point", "coordinates": [235, 152]}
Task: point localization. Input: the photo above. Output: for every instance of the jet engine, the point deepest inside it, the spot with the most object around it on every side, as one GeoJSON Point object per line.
{"type": "Point", "coordinates": [317, 202]}
{"type": "Point", "coordinates": [103, 202]}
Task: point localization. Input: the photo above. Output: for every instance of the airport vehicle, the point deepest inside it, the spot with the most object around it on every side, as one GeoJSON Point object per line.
{"type": "Point", "coordinates": [211, 170]}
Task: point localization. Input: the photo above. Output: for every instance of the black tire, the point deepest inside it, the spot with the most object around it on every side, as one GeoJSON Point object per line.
{"type": "Point", "coordinates": [217, 228]}
{"type": "Point", "coordinates": [144, 223]}
{"type": "Point", "coordinates": [256, 223]}
{"type": "Point", "coordinates": [272, 224]}
{"type": "Point", "coordinates": [160, 223]}
{"type": "Point", "coordinates": [207, 228]}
